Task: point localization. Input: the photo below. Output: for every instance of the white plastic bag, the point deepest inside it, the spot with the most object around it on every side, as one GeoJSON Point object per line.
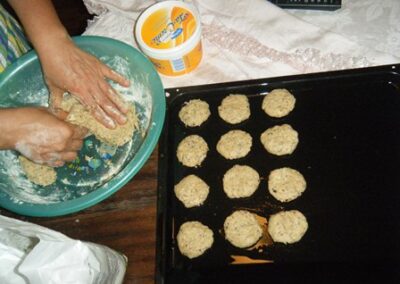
{"type": "Point", "coordinates": [32, 254]}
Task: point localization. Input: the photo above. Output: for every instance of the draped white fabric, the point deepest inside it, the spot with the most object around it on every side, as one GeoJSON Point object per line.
{"type": "Point", "coordinates": [256, 39]}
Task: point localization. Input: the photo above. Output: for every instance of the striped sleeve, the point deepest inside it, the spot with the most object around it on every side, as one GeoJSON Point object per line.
{"type": "Point", "coordinates": [13, 42]}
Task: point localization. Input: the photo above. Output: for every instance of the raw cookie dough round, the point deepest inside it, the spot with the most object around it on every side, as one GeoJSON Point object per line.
{"type": "Point", "coordinates": [235, 144]}
{"type": "Point", "coordinates": [240, 181]}
{"type": "Point", "coordinates": [280, 140]}
{"type": "Point", "coordinates": [242, 229]}
{"type": "Point", "coordinates": [194, 239]}
{"type": "Point", "coordinates": [191, 191]}
{"type": "Point", "coordinates": [234, 108]}
{"type": "Point", "coordinates": [287, 226]}
{"type": "Point", "coordinates": [194, 113]}
{"type": "Point", "coordinates": [192, 150]}
{"type": "Point", "coordinates": [278, 103]}
{"type": "Point", "coordinates": [286, 184]}
{"type": "Point", "coordinates": [38, 174]}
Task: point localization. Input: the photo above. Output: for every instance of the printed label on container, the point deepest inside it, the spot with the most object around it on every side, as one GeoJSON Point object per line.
{"type": "Point", "coordinates": [179, 66]}
{"type": "Point", "coordinates": [168, 27]}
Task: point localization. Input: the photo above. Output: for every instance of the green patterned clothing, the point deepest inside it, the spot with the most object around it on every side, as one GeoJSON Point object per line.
{"type": "Point", "coordinates": [13, 42]}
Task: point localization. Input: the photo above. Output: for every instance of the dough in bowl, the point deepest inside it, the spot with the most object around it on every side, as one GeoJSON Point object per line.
{"type": "Point", "coordinates": [79, 115]}
{"type": "Point", "coordinates": [38, 174]}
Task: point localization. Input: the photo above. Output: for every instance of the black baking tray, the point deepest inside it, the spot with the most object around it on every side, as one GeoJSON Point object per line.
{"type": "Point", "coordinates": [349, 153]}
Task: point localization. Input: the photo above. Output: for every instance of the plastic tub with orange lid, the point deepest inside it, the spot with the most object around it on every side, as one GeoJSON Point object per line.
{"type": "Point", "coordinates": [169, 33]}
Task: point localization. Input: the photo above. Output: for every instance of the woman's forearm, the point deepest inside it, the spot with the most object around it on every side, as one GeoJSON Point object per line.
{"type": "Point", "coordinates": [6, 118]}
{"type": "Point", "coordinates": [40, 21]}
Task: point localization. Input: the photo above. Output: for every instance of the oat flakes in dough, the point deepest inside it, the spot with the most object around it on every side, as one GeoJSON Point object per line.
{"type": "Point", "coordinates": [278, 103]}
{"type": "Point", "coordinates": [286, 184]}
{"type": "Point", "coordinates": [194, 239]}
{"type": "Point", "coordinates": [39, 174]}
{"type": "Point", "coordinates": [194, 113]}
{"type": "Point", "coordinates": [234, 108]}
{"type": "Point", "coordinates": [192, 150]}
{"type": "Point", "coordinates": [192, 191]}
{"type": "Point", "coordinates": [240, 181]}
{"type": "Point", "coordinates": [280, 140]}
{"type": "Point", "coordinates": [242, 229]}
{"type": "Point", "coordinates": [235, 144]}
{"type": "Point", "coordinates": [287, 226]}
{"type": "Point", "coordinates": [80, 116]}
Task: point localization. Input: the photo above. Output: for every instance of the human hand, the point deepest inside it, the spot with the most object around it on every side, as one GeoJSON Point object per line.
{"type": "Point", "coordinates": [40, 136]}
{"type": "Point", "coordinates": [69, 69]}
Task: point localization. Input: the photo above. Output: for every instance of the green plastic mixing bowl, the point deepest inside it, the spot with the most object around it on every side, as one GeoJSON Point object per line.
{"type": "Point", "coordinates": [100, 170]}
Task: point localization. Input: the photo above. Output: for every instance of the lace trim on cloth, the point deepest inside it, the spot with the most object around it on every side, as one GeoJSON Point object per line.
{"type": "Point", "coordinates": [370, 23]}
{"type": "Point", "coordinates": [303, 59]}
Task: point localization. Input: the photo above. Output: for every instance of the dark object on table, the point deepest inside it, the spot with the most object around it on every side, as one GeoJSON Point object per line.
{"type": "Point", "coordinates": [349, 138]}
{"type": "Point", "coordinates": [327, 5]}
{"type": "Point", "coordinates": [73, 14]}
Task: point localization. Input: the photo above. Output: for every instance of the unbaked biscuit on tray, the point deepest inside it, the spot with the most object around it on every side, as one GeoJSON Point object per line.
{"type": "Point", "coordinates": [242, 228]}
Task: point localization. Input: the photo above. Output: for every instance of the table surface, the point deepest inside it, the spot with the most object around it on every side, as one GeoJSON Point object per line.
{"type": "Point", "coordinates": [125, 222]}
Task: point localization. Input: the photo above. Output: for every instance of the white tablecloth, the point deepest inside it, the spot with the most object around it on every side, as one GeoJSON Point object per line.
{"type": "Point", "coordinates": [249, 39]}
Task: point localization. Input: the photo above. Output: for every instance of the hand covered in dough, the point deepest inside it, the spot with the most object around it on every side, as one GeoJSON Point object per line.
{"type": "Point", "coordinates": [66, 67]}
{"type": "Point", "coordinates": [39, 135]}
{"type": "Point", "coordinates": [70, 69]}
